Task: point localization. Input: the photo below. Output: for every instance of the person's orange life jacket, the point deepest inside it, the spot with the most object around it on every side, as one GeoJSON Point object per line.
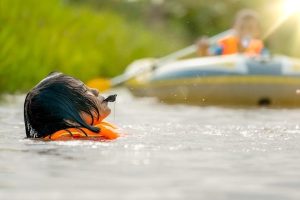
{"type": "Point", "coordinates": [230, 45]}
{"type": "Point", "coordinates": [107, 132]}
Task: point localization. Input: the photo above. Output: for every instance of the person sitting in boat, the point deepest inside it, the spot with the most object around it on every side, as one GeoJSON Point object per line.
{"type": "Point", "coordinates": [244, 39]}
{"type": "Point", "coordinates": [61, 107]}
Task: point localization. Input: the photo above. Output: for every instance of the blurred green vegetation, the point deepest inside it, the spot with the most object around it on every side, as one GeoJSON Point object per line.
{"type": "Point", "coordinates": [190, 19]}
{"type": "Point", "coordinates": [90, 38]}
{"type": "Point", "coordinates": [37, 37]}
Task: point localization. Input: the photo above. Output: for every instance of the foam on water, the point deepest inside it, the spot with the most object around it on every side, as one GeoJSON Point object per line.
{"type": "Point", "coordinates": [166, 152]}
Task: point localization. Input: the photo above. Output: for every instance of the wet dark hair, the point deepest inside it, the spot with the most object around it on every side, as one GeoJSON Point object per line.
{"type": "Point", "coordinates": [55, 104]}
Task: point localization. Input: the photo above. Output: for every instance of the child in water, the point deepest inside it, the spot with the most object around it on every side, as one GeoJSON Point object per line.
{"type": "Point", "coordinates": [61, 107]}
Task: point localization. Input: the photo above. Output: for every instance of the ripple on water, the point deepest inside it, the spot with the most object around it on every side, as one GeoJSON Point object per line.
{"type": "Point", "coordinates": [166, 152]}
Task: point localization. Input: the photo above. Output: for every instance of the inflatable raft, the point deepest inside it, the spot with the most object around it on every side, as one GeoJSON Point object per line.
{"type": "Point", "coordinates": [234, 80]}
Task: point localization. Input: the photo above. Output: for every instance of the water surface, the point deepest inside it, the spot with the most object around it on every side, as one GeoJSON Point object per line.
{"type": "Point", "coordinates": [166, 152]}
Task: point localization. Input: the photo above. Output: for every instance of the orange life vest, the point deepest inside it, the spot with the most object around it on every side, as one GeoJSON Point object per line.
{"type": "Point", "coordinates": [230, 45]}
{"type": "Point", "coordinates": [107, 132]}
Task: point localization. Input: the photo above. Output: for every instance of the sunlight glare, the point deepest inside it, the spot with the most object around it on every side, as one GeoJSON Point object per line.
{"type": "Point", "coordinates": [288, 8]}
{"type": "Point", "coordinates": [291, 6]}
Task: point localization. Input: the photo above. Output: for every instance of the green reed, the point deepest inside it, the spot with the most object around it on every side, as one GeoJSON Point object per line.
{"type": "Point", "coordinates": [37, 37]}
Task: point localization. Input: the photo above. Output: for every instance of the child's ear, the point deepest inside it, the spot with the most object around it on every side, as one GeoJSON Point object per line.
{"type": "Point", "coordinates": [72, 123]}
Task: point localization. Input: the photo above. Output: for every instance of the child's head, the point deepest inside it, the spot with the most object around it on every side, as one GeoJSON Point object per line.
{"type": "Point", "coordinates": [59, 102]}
{"type": "Point", "coordinates": [247, 24]}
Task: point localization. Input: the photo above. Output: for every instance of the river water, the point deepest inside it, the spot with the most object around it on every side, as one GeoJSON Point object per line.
{"type": "Point", "coordinates": [166, 152]}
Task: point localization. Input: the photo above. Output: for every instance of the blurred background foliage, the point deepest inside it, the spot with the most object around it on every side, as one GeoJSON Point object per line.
{"type": "Point", "coordinates": [90, 38]}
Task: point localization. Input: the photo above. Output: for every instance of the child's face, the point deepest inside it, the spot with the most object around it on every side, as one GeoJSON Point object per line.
{"type": "Point", "coordinates": [103, 108]}
{"type": "Point", "coordinates": [93, 94]}
{"type": "Point", "coordinates": [248, 28]}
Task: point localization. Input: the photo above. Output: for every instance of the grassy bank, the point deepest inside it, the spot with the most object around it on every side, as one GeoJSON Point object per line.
{"type": "Point", "coordinates": [37, 37]}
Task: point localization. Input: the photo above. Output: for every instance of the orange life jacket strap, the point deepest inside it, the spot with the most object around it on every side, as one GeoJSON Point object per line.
{"type": "Point", "coordinates": [230, 44]}
{"type": "Point", "coordinates": [107, 132]}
